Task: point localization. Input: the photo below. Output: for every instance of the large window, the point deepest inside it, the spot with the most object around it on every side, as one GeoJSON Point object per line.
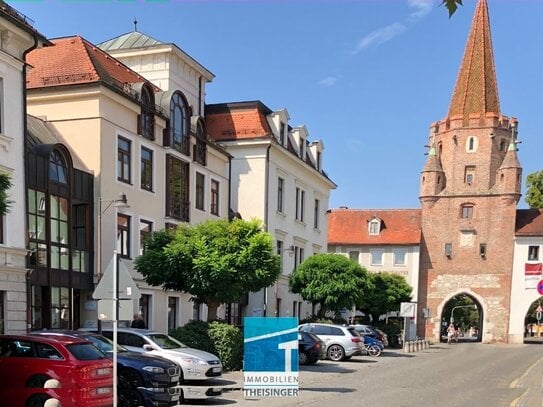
{"type": "Point", "coordinates": [123, 159]}
{"type": "Point", "coordinates": [58, 223]}
{"type": "Point", "coordinates": [214, 205]}
{"type": "Point", "coordinates": [300, 204]}
{"type": "Point", "coordinates": [179, 123]}
{"type": "Point", "coordinates": [146, 168]}
{"type": "Point", "coordinates": [280, 197]}
{"type": "Point", "coordinates": [200, 196]}
{"type": "Point", "coordinates": [466, 211]}
{"type": "Point", "coordinates": [200, 148]}
{"type": "Point", "coordinates": [146, 227]}
{"type": "Point", "coordinates": [400, 256]}
{"type": "Point", "coordinates": [36, 228]}
{"type": "Point", "coordinates": [376, 257]}
{"type": "Point", "coordinates": [173, 303]}
{"type": "Point", "coordinates": [147, 116]}
{"type": "Point", "coordinates": [123, 235]}
{"type": "Point", "coordinates": [60, 307]}
{"type": "Point", "coordinates": [177, 189]}
{"type": "Point", "coordinates": [316, 214]}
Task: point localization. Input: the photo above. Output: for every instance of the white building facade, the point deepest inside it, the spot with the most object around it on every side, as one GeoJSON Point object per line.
{"type": "Point", "coordinates": [278, 178]}
{"type": "Point", "coordinates": [17, 37]}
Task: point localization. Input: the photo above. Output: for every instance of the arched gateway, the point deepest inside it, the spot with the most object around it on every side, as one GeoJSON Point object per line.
{"type": "Point", "coordinates": [469, 190]}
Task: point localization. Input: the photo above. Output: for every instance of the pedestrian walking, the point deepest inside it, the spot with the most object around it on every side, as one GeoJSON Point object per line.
{"type": "Point", "coordinates": [450, 333]}
{"type": "Point", "coordinates": [138, 322]}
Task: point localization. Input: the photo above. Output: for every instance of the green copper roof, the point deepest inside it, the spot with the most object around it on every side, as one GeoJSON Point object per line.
{"type": "Point", "coordinates": [129, 40]}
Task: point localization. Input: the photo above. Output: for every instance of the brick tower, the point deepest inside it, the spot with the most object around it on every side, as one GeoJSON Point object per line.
{"type": "Point", "coordinates": [469, 189]}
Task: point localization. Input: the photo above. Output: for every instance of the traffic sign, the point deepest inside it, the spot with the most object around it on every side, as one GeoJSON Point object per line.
{"type": "Point", "coordinates": [540, 287]}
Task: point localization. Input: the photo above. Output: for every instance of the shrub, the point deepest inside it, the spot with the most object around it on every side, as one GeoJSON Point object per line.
{"type": "Point", "coordinates": [228, 341]}
{"type": "Point", "coordinates": [219, 338]}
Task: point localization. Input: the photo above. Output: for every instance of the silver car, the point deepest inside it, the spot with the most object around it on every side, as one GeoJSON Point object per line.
{"type": "Point", "coordinates": [195, 364]}
{"type": "Point", "coordinates": [342, 342]}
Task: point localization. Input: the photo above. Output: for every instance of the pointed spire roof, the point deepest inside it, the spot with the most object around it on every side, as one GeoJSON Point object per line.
{"type": "Point", "coordinates": [476, 90]}
{"type": "Point", "coordinates": [432, 163]}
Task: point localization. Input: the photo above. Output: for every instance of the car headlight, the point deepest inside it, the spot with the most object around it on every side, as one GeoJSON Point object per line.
{"type": "Point", "coordinates": [194, 361]}
{"type": "Point", "coordinates": [153, 369]}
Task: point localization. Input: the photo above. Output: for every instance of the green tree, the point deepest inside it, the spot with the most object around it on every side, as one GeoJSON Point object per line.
{"type": "Point", "coordinates": [451, 5]}
{"type": "Point", "coordinates": [331, 280]}
{"type": "Point", "coordinates": [216, 261]}
{"type": "Point", "coordinates": [534, 190]}
{"type": "Point", "coordinates": [5, 184]}
{"type": "Point", "coordinates": [387, 292]}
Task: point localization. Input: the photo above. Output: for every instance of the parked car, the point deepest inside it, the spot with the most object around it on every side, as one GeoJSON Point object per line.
{"type": "Point", "coordinates": [310, 348]}
{"type": "Point", "coordinates": [28, 362]}
{"type": "Point", "coordinates": [368, 330]}
{"type": "Point", "coordinates": [195, 364]}
{"type": "Point", "coordinates": [342, 342]}
{"type": "Point", "coordinates": [143, 379]}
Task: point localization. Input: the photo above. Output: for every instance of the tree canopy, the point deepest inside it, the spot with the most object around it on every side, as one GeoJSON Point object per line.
{"type": "Point", "coordinates": [451, 5]}
{"type": "Point", "coordinates": [534, 190]}
{"type": "Point", "coordinates": [216, 261]}
{"type": "Point", "coordinates": [5, 184]}
{"type": "Point", "coordinates": [331, 280]}
{"type": "Point", "coordinates": [387, 292]}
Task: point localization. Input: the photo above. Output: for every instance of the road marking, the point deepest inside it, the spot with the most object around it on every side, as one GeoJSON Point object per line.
{"type": "Point", "coordinates": [514, 384]}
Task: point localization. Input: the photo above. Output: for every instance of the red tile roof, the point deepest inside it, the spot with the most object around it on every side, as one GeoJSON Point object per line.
{"type": "Point", "coordinates": [398, 226]}
{"type": "Point", "coordinates": [529, 222]}
{"type": "Point", "coordinates": [74, 60]}
{"type": "Point", "coordinates": [240, 120]}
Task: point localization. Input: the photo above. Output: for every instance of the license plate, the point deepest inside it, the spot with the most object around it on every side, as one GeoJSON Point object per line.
{"type": "Point", "coordinates": [217, 369]}
{"type": "Point", "coordinates": [175, 398]}
{"type": "Point", "coordinates": [103, 390]}
{"type": "Point", "coordinates": [174, 379]}
{"type": "Point", "coordinates": [103, 371]}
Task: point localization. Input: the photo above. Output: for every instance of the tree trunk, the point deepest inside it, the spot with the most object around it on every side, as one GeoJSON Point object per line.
{"type": "Point", "coordinates": [322, 311]}
{"type": "Point", "coordinates": [212, 310]}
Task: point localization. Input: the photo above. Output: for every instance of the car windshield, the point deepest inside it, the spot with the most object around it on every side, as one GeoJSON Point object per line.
{"type": "Point", "coordinates": [103, 343]}
{"type": "Point", "coordinates": [166, 341]}
{"type": "Point", "coordinates": [85, 351]}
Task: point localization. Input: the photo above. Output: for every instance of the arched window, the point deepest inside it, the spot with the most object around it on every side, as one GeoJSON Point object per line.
{"type": "Point", "coordinates": [179, 123]}
{"type": "Point", "coordinates": [472, 144]}
{"type": "Point", "coordinates": [147, 117]}
{"type": "Point", "coordinates": [57, 168]}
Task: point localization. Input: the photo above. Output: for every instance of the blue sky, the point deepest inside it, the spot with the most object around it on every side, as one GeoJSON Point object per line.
{"type": "Point", "coordinates": [366, 77]}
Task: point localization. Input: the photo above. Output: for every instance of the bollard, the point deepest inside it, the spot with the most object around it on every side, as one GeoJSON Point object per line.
{"type": "Point", "coordinates": [406, 346]}
{"type": "Point", "coordinates": [411, 347]}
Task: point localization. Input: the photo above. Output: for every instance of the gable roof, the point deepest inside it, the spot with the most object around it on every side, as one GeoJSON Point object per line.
{"type": "Point", "coordinates": [529, 222]}
{"type": "Point", "coordinates": [73, 61]}
{"type": "Point", "coordinates": [476, 89]}
{"type": "Point", "coordinates": [134, 39]}
{"type": "Point", "coordinates": [239, 120]}
{"type": "Point", "coordinates": [350, 226]}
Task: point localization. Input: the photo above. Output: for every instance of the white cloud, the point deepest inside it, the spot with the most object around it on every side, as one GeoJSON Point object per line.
{"type": "Point", "coordinates": [329, 80]}
{"type": "Point", "coordinates": [380, 36]}
{"type": "Point", "coordinates": [420, 8]}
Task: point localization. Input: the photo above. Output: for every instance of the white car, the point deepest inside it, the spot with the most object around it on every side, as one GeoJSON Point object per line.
{"type": "Point", "coordinates": [195, 364]}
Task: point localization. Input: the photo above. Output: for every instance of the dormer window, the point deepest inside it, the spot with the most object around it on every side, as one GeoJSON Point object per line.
{"type": "Point", "coordinates": [282, 129]}
{"type": "Point", "coordinates": [146, 120]}
{"type": "Point", "coordinates": [374, 226]}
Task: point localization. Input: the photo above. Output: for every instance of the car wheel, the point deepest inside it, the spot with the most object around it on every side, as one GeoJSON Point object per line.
{"type": "Point", "coordinates": [37, 381]}
{"type": "Point", "coordinates": [374, 350]}
{"type": "Point", "coordinates": [37, 400]}
{"type": "Point", "coordinates": [130, 398]}
{"type": "Point", "coordinates": [130, 378]}
{"type": "Point", "coordinates": [336, 353]}
{"type": "Point", "coordinates": [303, 358]}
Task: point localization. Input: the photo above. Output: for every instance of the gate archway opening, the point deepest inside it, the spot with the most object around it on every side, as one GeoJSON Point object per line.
{"type": "Point", "coordinates": [533, 322]}
{"type": "Point", "coordinates": [466, 314]}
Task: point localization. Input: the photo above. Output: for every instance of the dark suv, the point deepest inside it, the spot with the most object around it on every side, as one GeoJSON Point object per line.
{"type": "Point", "coordinates": [144, 380]}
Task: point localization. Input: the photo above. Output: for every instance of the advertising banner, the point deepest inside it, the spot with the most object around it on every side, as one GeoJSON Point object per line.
{"type": "Point", "coordinates": [270, 357]}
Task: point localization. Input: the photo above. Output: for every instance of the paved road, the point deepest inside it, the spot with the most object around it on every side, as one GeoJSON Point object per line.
{"type": "Point", "coordinates": [464, 374]}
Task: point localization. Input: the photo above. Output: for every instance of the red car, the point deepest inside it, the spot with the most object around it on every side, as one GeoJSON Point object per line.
{"type": "Point", "coordinates": [85, 374]}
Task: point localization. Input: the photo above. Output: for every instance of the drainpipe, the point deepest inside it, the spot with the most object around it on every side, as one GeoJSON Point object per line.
{"type": "Point", "coordinates": [25, 127]}
{"type": "Point", "coordinates": [266, 206]}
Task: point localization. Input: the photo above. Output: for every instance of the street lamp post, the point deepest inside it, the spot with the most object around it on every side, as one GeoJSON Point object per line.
{"type": "Point", "coordinates": [119, 203]}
